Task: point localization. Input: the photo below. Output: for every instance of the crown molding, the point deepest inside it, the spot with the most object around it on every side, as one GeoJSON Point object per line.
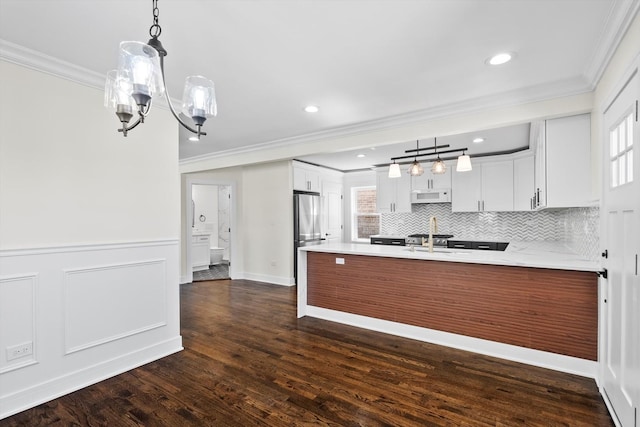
{"type": "Point", "coordinates": [557, 89]}
{"type": "Point", "coordinates": [38, 61]}
{"type": "Point", "coordinates": [622, 15]}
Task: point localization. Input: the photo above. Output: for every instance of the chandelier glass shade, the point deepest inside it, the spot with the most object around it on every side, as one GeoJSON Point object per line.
{"type": "Point", "coordinates": [438, 167]}
{"type": "Point", "coordinates": [416, 169]}
{"type": "Point", "coordinates": [140, 78]}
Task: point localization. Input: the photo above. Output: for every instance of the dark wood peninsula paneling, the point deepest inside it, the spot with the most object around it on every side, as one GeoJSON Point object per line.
{"type": "Point", "coordinates": [542, 309]}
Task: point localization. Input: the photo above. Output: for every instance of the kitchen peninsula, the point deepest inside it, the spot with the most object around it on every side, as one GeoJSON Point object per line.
{"type": "Point", "coordinates": [535, 303]}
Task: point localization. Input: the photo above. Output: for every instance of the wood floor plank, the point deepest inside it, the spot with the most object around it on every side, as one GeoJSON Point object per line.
{"type": "Point", "coordinates": [248, 361]}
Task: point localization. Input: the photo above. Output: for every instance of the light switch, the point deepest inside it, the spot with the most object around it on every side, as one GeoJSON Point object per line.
{"type": "Point", "coordinates": [339, 260]}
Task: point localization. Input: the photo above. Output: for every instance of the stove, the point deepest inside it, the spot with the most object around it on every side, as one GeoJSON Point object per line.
{"type": "Point", "coordinates": [438, 239]}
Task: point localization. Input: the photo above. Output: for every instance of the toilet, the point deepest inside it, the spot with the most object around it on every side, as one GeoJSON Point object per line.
{"type": "Point", "coordinates": [216, 255]}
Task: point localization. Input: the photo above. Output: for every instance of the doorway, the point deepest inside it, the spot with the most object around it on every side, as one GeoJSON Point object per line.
{"type": "Point", "coordinates": [210, 226]}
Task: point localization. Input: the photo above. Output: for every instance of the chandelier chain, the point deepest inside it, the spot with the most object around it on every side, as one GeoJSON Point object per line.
{"type": "Point", "coordinates": [155, 29]}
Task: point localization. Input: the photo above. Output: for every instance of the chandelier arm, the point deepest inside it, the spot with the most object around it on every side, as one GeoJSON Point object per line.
{"type": "Point", "coordinates": [197, 131]}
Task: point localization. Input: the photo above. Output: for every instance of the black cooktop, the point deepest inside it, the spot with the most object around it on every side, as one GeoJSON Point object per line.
{"type": "Point", "coordinates": [435, 236]}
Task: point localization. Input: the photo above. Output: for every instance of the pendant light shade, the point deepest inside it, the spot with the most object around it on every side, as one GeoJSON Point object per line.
{"type": "Point", "coordinates": [416, 169]}
{"type": "Point", "coordinates": [140, 64]}
{"type": "Point", "coordinates": [394, 170]}
{"type": "Point", "coordinates": [438, 167]}
{"type": "Point", "coordinates": [199, 99]}
{"type": "Point", "coordinates": [117, 95]}
{"type": "Point", "coordinates": [464, 163]}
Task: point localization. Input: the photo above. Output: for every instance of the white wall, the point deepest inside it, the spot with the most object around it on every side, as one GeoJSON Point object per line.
{"type": "Point", "coordinates": [267, 216]}
{"type": "Point", "coordinates": [89, 228]}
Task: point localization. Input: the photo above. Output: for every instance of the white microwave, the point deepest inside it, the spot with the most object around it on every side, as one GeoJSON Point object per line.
{"type": "Point", "coordinates": [442, 195]}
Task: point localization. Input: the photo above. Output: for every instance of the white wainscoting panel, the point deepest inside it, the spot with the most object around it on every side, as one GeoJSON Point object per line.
{"type": "Point", "coordinates": [110, 302]}
{"type": "Point", "coordinates": [17, 319]}
{"type": "Point", "coordinates": [91, 312]}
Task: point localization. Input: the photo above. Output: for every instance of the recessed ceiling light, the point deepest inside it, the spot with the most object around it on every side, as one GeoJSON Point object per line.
{"type": "Point", "coordinates": [500, 58]}
{"type": "Point", "coordinates": [194, 138]}
{"type": "Point", "coordinates": [361, 155]}
{"type": "Point", "coordinates": [478, 140]}
{"type": "Point", "coordinates": [311, 109]}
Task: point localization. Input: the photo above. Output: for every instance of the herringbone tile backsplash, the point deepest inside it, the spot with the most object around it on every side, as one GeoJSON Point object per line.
{"type": "Point", "coordinates": [578, 228]}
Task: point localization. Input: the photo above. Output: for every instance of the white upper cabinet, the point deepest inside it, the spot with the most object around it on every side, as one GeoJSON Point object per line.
{"type": "Point", "coordinates": [431, 181]}
{"type": "Point", "coordinates": [488, 187]}
{"type": "Point", "coordinates": [523, 183]}
{"type": "Point", "coordinates": [306, 178]}
{"type": "Point", "coordinates": [497, 186]}
{"type": "Point", "coordinates": [563, 163]}
{"type": "Point", "coordinates": [466, 190]}
{"type": "Point", "coordinates": [393, 194]}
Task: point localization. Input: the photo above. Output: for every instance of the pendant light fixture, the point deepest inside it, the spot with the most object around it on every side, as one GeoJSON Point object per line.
{"type": "Point", "coordinates": [394, 170]}
{"type": "Point", "coordinates": [416, 169]}
{"type": "Point", "coordinates": [464, 163]}
{"type": "Point", "coordinates": [140, 78]}
{"type": "Point", "coordinates": [438, 166]}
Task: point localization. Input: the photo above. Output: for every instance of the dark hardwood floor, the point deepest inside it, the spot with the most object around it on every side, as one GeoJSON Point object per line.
{"type": "Point", "coordinates": [249, 362]}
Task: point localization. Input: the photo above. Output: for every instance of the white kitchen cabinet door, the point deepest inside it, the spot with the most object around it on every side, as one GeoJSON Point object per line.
{"type": "Point", "coordinates": [393, 194]}
{"type": "Point", "coordinates": [431, 181]}
{"type": "Point", "coordinates": [523, 183]}
{"type": "Point", "coordinates": [306, 178]}
{"type": "Point", "coordinates": [403, 193]}
{"type": "Point", "coordinates": [539, 196]}
{"type": "Point", "coordinates": [466, 190]}
{"type": "Point", "coordinates": [497, 186]}
{"type": "Point", "coordinates": [568, 161]}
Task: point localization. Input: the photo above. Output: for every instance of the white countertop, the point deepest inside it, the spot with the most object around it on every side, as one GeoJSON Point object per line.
{"type": "Point", "coordinates": [538, 254]}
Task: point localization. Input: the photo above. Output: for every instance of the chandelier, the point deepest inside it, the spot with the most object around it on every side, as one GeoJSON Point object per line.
{"type": "Point", "coordinates": [140, 78]}
{"type": "Point", "coordinates": [438, 166]}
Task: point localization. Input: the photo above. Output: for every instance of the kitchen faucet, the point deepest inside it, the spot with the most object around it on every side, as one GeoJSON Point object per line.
{"type": "Point", "coordinates": [433, 228]}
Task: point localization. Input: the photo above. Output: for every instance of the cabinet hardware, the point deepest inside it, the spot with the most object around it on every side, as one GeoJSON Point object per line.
{"type": "Point", "coordinates": [605, 254]}
{"type": "Point", "coordinates": [636, 264]}
{"type": "Point", "coordinates": [537, 197]}
{"type": "Point", "coordinates": [604, 273]}
{"type": "Point", "coordinates": [478, 205]}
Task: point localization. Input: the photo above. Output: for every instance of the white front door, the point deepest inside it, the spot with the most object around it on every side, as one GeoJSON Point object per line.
{"type": "Point", "coordinates": [621, 240]}
{"type": "Point", "coordinates": [332, 211]}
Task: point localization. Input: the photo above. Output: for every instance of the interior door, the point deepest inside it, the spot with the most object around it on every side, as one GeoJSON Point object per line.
{"type": "Point", "coordinates": [332, 211]}
{"type": "Point", "coordinates": [621, 212]}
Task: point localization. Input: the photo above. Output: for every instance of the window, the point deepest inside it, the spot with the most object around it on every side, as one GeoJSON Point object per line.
{"type": "Point", "coordinates": [365, 221]}
{"type": "Point", "coordinates": [621, 152]}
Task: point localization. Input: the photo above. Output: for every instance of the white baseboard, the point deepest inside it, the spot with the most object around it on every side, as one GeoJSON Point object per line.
{"type": "Point", "coordinates": [275, 280]}
{"type": "Point", "coordinates": [558, 362]}
{"type": "Point", "coordinates": [52, 389]}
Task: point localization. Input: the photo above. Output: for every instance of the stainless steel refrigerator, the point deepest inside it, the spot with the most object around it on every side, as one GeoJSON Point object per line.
{"type": "Point", "coordinates": [306, 223]}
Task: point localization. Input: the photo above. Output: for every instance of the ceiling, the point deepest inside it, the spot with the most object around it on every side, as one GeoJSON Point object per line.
{"type": "Point", "coordinates": [501, 140]}
{"type": "Point", "coordinates": [360, 61]}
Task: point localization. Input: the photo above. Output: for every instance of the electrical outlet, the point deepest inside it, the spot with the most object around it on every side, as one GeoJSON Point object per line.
{"type": "Point", "coordinates": [20, 350]}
